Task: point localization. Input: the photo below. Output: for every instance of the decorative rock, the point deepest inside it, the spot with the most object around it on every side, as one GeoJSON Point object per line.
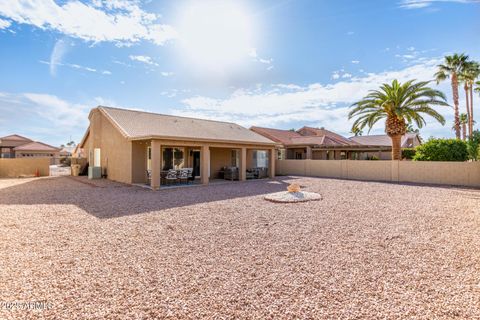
{"type": "Point", "coordinates": [289, 197]}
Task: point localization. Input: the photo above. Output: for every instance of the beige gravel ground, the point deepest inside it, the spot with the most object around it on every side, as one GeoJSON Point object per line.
{"type": "Point", "coordinates": [366, 250]}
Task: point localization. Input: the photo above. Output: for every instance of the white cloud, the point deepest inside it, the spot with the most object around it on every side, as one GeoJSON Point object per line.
{"type": "Point", "coordinates": [418, 4]}
{"type": "Point", "coordinates": [144, 59]}
{"type": "Point", "coordinates": [4, 24]}
{"type": "Point", "coordinates": [355, 61]}
{"type": "Point", "coordinates": [54, 63]}
{"type": "Point", "coordinates": [44, 113]}
{"type": "Point", "coordinates": [166, 74]}
{"type": "Point", "coordinates": [59, 50]}
{"type": "Point", "coordinates": [119, 21]}
{"type": "Point", "coordinates": [336, 75]}
{"type": "Point", "coordinates": [350, 33]}
{"type": "Point", "coordinates": [326, 105]}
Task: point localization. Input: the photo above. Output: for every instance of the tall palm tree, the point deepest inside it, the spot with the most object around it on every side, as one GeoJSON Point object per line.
{"type": "Point", "coordinates": [471, 73]}
{"type": "Point", "coordinates": [451, 68]}
{"type": "Point", "coordinates": [463, 121]}
{"type": "Point", "coordinates": [399, 104]}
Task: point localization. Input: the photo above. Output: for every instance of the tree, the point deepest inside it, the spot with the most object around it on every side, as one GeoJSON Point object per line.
{"type": "Point", "coordinates": [473, 144]}
{"type": "Point", "coordinates": [411, 129]}
{"type": "Point", "coordinates": [463, 121]}
{"type": "Point", "coordinates": [451, 68]}
{"type": "Point", "coordinates": [399, 104]}
{"type": "Point", "coordinates": [469, 73]}
{"type": "Point", "coordinates": [356, 131]}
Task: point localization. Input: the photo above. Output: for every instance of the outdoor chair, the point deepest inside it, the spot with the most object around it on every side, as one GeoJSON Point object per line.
{"type": "Point", "coordinates": [171, 176]}
{"type": "Point", "coordinates": [149, 176]}
{"type": "Point", "coordinates": [183, 176]}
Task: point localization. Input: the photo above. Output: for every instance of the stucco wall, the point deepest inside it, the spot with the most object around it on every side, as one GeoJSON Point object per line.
{"type": "Point", "coordinates": [115, 150]}
{"type": "Point", "coordinates": [449, 173]}
{"type": "Point", "coordinates": [16, 167]}
{"type": "Point", "coordinates": [219, 157]}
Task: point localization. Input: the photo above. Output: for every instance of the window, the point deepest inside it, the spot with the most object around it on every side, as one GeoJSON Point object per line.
{"type": "Point", "coordinates": [173, 158]}
{"type": "Point", "coordinates": [260, 158]}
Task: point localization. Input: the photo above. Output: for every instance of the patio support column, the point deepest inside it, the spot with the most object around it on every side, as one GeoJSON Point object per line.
{"type": "Point", "coordinates": [204, 164]}
{"type": "Point", "coordinates": [271, 163]}
{"type": "Point", "coordinates": [243, 164]}
{"type": "Point", "coordinates": [309, 153]}
{"type": "Point", "coordinates": [156, 163]}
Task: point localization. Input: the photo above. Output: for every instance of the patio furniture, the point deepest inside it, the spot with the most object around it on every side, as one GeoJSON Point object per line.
{"type": "Point", "coordinates": [183, 175]}
{"type": "Point", "coordinates": [171, 177]}
{"type": "Point", "coordinates": [250, 174]}
{"type": "Point", "coordinates": [231, 173]}
{"type": "Point", "coordinates": [149, 176]}
{"type": "Point", "coordinates": [163, 177]}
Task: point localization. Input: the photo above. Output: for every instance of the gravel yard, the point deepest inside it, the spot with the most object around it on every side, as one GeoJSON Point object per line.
{"type": "Point", "coordinates": [366, 250]}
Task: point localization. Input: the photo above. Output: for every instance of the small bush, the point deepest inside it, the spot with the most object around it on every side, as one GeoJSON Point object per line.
{"type": "Point", "coordinates": [442, 150]}
{"type": "Point", "coordinates": [408, 153]}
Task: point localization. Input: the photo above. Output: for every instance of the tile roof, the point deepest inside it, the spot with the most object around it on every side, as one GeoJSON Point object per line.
{"type": "Point", "coordinates": [36, 146]}
{"type": "Point", "coordinates": [138, 124]}
{"type": "Point", "coordinates": [15, 137]}
{"type": "Point", "coordinates": [381, 140]}
{"type": "Point", "coordinates": [314, 137]}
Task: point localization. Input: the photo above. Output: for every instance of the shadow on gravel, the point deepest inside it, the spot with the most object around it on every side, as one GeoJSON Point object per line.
{"type": "Point", "coordinates": [106, 199]}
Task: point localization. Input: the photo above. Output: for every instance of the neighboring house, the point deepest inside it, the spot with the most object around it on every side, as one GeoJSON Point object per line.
{"type": "Point", "coordinates": [322, 144]}
{"type": "Point", "coordinates": [67, 151]}
{"type": "Point", "coordinates": [409, 140]}
{"type": "Point", "coordinates": [16, 146]}
{"type": "Point", "coordinates": [128, 144]}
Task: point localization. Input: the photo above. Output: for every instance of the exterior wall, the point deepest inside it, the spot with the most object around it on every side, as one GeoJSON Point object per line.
{"type": "Point", "coordinates": [12, 168]}
{"type": "Point", "coordinates": [448, 173]}
{"type": "Point", "coordinates": [139, 161]}
{"type": "Point", "coordinates": [115, 149]}
{"type": "Point", "coordinates": [219, 157]}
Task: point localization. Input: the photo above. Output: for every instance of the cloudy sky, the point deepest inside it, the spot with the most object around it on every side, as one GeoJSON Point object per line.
{"type": "Point", "coordinates": [275, 63]}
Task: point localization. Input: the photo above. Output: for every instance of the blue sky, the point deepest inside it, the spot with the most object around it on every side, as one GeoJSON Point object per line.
{"type": "Point", "coordinates": [279, 63]}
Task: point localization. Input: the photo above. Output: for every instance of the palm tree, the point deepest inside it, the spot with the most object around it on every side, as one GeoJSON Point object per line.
{"type": "Point", "coordinates": [451, 68]}
{"type": "Point", "coordinates": [357, 132]}
{"type": "Point", "coordinates": [411, 129]}
{"type": "Point", "coordinates": [463, 121]}
{"type": "Point", "coordinates": [400, 104]}
{"type": "Point", "coordinates": [472, 72]}
{"type": "Point", "coordinates": [469, 73]}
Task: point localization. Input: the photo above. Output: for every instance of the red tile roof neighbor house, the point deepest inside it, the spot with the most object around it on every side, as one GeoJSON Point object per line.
{"type": "Point", "coordinates": [319, 143]}
{"type": "Point", "coordinates": [16, 146]}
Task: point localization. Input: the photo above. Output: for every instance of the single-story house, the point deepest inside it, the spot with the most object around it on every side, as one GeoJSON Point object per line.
{"type": "Point", "coordinates": [16, 146]}
{"type": "Point", "coordinates": [322, 144]}
{"type": "Point", "coordinates": [135, 147]}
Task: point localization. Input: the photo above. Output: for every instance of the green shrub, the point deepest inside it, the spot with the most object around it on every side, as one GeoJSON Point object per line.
{"type": "Point", "coordinates": [408, 153]}
{"type": "Point", "coordinates": [473, 144]}
{"type": "Point", "coordinates": [442, 150]}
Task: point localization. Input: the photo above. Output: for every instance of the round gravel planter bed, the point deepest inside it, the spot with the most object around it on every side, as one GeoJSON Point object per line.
{"type": "Point", "coordinates": [289, 197]}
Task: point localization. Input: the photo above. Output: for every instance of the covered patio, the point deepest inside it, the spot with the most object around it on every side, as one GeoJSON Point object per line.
{"type": "Point", "coordinates": [161, 163]}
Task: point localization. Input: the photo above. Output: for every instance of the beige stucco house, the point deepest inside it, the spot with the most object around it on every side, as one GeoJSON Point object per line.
{"type": "Point", "coordinates": [132, 145]}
